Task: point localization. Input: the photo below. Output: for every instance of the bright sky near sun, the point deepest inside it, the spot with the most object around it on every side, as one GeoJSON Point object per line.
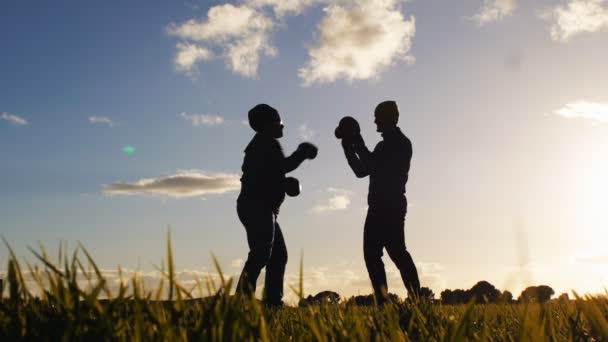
{"type": "Point", "coordinates": [120, 118]}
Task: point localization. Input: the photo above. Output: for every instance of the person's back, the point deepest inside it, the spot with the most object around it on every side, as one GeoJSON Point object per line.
{"type": "Point", "coordinates": [389, 169]}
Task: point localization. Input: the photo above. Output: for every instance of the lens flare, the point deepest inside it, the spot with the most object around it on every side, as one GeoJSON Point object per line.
{"type": "Point", "coordinates": [128, 149]}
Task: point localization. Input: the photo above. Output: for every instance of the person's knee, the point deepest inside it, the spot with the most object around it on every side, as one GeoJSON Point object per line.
{"type": "Point", "coordinates": [278, 258]}
{"type": "Point", "coordinates": [402, 259]}
{"type": "Point", "coordinates": [373, 258]}
{"type": "Point", "coordinates": [260, 256]}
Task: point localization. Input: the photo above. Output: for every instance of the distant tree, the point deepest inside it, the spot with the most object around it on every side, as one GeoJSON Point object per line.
{"type": "Point", "coordinates": [457, 296]}
{"type": "Point", "coordinates": [484, 292]}
{"type": "Point", "coordinates": [544, 293]}
{"type": "Point", "coordinates": [506, 297]}
{"type": "Point", "coordinates": [426, 292]}
{"type": "Point", "coordinates": [324, 297]}
{"type": "Point", "coordinates": [446, 296]}
{"type": "Point", "coordinates": [327, 297]}
{"type": "Point", "coordinates": [461, 296]}
{"type": "Point", "coordinates": [369, 300]}
{"type": "Point", "coordinates": [393, 298]}
{"type": "Point", "coordinates": [536, 294]}
{"type": "Point", "coordinates": [528, 295]}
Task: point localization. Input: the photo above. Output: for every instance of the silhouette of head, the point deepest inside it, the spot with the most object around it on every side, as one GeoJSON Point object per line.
{"type": "Point", "coordinates": [266, 120]}
{"type": "Point", "coordinates": [386, 116]}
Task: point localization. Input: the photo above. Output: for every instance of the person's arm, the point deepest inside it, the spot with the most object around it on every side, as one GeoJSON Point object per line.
{"type": "Point", "coordinates": [362, 152]}
{"type": "Point", "coordinates": [304, 151]}
{"type": "Point", "coordinates": [293, 161]}
{"type": "Point", "coordinates": [360, 168]}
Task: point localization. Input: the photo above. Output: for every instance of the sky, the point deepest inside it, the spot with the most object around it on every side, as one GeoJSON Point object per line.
{"type": "Point", "coordinates": [120, 119]}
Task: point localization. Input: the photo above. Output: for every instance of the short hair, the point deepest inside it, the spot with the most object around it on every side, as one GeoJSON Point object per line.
{"type": "Point", "coordinates": [388, 108]}
{"type": "Point", "coordinates": [261, 115]}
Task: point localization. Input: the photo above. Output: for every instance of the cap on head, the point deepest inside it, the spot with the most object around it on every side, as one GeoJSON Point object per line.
{"type": "Point", "coordinates": [261, 115]}
{"type": "Point", "coordinates": [388, 109]}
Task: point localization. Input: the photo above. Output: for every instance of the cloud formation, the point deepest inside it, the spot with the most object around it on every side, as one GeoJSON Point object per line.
{"type": "Point", "coordinates": [188, 183]}
{"type": "Point", "coordinates": [577, 17]}
{"type": "Point", "coordinates": [339, 200]}
{"type": "Point", "coordinates": [13, 119]}
{"type": "Point", "coordinates": [358, 40]}
{"type": "Point", "coordinates": [585, 110]}
{"type": "Point", "coordinates": [239, 34]}
{"type": "Point", "coordinates": [188, 55]}
{"type": "Point", "coordinates": [203, 119]}
{"type": "Point", "coordinates": [101, 120]}
{"type": "Point", "coordinates": [494, 10]}
{"type": "Point", "coordinates": [283, 8]}
{"type": "Point", "coordinates": [305, 132]}
{"type": "Point", "coordinates": [237, 263]}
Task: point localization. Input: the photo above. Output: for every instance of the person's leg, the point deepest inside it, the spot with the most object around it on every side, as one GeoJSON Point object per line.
{"type": "Point", "coordinates": [275, 269]}
{"type": "Point", "coordinates": [372, 252]}
{"type": "Point", "coordinates": [259, 225]}
{"type": "Point", "coordinates": [395, 247]}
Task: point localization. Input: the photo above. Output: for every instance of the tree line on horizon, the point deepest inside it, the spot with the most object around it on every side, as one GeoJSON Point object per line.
{"type": "Point", "coordinates": [483, 292]}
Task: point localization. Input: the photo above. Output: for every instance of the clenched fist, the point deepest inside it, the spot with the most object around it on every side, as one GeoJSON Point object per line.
{"type": "Point", "coordinates": [307, 150]}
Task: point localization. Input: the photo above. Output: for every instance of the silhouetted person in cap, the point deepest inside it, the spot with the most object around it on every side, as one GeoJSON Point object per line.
{"type": "Point", "coordinates": [387, 167]}
{"type": "Point", "coordinates": [263, 188]}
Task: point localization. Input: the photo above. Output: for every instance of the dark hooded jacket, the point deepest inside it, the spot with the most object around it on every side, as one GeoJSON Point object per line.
{"type": "Point", "coordinates": [263, 180]}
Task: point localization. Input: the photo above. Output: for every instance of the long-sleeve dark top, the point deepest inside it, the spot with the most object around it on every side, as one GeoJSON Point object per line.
{"type": "Point", "coordinates": [387, 167]}
{"type": "Point", "coordinates": [264, 168]}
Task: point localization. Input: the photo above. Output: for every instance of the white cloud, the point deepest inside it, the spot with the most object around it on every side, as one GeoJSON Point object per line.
{"type": "Point", "coordinates": [585, 110]}
{"type": "Point", "coordinates": [339, 200]}
{"type": "Point", "coordinates": [577, 17]}
{"type": "Point", "coordinates": [13, 119]}
{"type": "Point", "coordinates": [203, 119]}
{"type": "Point", "coordinates": [358, 40]}
{"type": "Point", "coordinates": [240, 33]}
{"type": "Point", "coordinates": [188, 55]}
{"type": "Point", "coordinates": [305, 132]}
{"type": "Point", "coordinates": [237, 263]}
{"type": "Point", "coordinates": [494, 10]}
{"type": "Point", "coordinates": [187, 183]}
{"type": "Point", "coordinates": [96, 120]}
{"type": "Point", "coordinates": [285, 7]}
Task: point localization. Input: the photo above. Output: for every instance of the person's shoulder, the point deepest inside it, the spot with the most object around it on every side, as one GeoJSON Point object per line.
{"type": "Point", "coordinates": [404, 140]}
{"type": "Point", "coordinates": [263, 145]}
{"type": "Point", "coordinates": [379, 145]}
{"type": "Point", "coordinates": [402, 136]}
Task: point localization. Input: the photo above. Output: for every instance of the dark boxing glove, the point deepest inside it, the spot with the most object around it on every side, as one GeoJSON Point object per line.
{"type": "Point", "coordinates": [292, 186]}
{"type": "Point", "coordinates": [307, 150]}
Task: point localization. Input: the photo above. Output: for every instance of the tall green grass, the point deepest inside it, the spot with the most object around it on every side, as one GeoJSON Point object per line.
{"type": "Point", "coordinates": [61, 308]}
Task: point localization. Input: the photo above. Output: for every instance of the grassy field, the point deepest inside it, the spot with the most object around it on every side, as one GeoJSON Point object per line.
{"type": "Point", "coordinates": [66, 310]}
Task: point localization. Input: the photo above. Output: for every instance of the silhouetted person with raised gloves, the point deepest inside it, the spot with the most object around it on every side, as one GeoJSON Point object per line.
{"type": "Point", "coordinates": [387, 167]}
{"type": "Point", "coordinates": [263, 189]}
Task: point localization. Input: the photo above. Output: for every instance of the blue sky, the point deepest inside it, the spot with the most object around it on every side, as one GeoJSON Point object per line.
{"type": "Point", "coordinates": [503, 100]}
